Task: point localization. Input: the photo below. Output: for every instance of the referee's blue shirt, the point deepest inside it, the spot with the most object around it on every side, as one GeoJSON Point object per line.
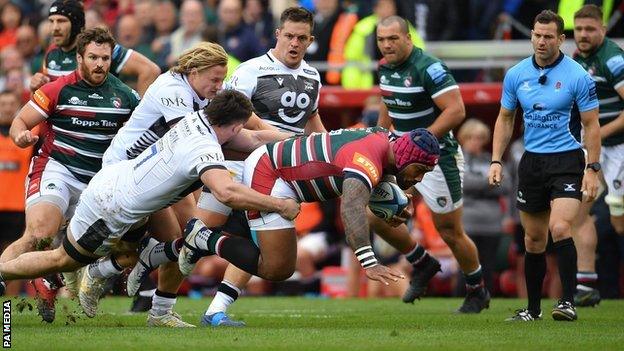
{"type": "Point", "coordinates": [552, 121]}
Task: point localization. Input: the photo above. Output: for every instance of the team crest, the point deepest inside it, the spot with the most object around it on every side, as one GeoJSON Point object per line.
{"type": "Point", "coordinates": [116, 101]}
{"type": "Point", "coordinates": [557, 86]}
{"type": "Point", "coordinates": [408, 81]}
{"type": "Point", "coordinates": [441, 201]}
{"type": "Point", "coordinates": [617, 184]}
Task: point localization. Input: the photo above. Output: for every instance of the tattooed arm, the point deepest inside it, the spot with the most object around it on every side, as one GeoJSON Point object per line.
{"type": "Point", "coordinates": [355, 195]}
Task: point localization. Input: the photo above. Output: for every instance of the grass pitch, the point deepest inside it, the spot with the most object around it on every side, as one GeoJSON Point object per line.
{"type": "Point", "coordinates": [321, 324]}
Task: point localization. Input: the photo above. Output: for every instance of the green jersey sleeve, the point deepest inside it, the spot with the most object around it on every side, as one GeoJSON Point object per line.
{"type": "Point", "coordinates": [438, 79]}
{"type": "Point", "coordinates": [119, 59]}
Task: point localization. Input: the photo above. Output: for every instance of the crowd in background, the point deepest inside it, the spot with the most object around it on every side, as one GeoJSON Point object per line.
{"type": "Point", "coordinates": [344, 32]}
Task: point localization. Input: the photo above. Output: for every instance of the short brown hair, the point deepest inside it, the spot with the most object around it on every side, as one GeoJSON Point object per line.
{"type": "Point", "coordinates": [96, 35]}
{"type": "Point", "coordinates": [388, 21]}
{"type": "Point", "coordinates": [589, 11]}
{"type": "Point", "coordinates": [297, 14]}
{"type": "Point", "coordinates": [228, 107]}
{"type": "Point", "coordinates": [546, 17]}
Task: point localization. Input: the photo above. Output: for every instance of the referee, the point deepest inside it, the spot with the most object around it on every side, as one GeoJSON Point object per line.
{"type": "Point", "coordinates": [557, 96]}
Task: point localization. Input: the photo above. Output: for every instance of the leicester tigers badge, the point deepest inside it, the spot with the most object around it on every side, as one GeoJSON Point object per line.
{"type": "Point", "coordinates": [441, 201]}
{"type": "Point", "coordinates": [408, 81]}
{"type": "Point", "coordinates": [116, 101]}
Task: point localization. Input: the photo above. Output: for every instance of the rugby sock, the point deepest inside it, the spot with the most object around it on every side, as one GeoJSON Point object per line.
{"type": "Point", "coordinates": [240, 252]}
{"type": "Point", "coordinates": [163, 252]}
{"type": "Point", "coordinates": [566, 258]}
{"type": "Point", "coordinates": [227, 293]}
{"type": "Point", "coordinates": [534, 272]}
{"type": "Point", "coordinates": [474, 279]}
{"type": "Point", "coordinates": [416, 255]}
{"type": "Point", "coordinates": [588, 279]}
{"type": "Point", "coordinates": [105, 268]}
{"type": "Point", "coordinates": [162, 303]}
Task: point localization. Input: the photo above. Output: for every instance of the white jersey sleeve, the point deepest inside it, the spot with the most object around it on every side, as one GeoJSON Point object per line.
{"type": "Point", "coordinates": [243, 80]}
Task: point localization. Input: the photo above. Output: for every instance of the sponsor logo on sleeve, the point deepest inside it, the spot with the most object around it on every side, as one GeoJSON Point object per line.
{"type": "Point", "coordinates": [41, 99]}
{"type": "Point", "coordinates": [437, 73]}
{"type": "Point", "coordinates": [367, 165]}
{"type": "Point", "coordinates": [616, 64]}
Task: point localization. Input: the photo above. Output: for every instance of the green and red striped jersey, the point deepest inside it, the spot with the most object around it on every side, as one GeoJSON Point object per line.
{"type": "Point", "coordinates": [316, 165]}
{"type": "Point", "coordinates": [81, 120]}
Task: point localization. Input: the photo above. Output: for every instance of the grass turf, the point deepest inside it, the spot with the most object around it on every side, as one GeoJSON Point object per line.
{"type": "Point", "coordinates": [321, 324]}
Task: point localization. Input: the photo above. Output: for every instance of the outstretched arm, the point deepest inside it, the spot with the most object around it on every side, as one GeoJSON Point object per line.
{"type": "Point", "coordinates": [355, 195]}
{"type": "Point", "coordinates": [249, 140]}
{"type": "Point", "coordinates": [239, 196]}
{"type": "Point", "coordinates": [141, 67]}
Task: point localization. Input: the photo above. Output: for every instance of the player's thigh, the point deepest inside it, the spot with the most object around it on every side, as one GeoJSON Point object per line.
{"type": "Point", "coordinates": [51, 192]}
{"type": "Point", "coordinates": [184, 209]}
{"type": "Point", "coordinates": [210, 210]}
{"type": "Point", "coordinates": [278, 250]}
{"type": "Point", "coordinates": [163, 225]}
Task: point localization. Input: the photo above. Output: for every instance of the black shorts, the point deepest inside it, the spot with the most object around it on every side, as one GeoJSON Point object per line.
{"type": "Point", "coordinates": [544, 177]}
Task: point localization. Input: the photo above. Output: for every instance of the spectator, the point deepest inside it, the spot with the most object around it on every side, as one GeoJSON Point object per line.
{"type": "Point", "coordinates": [210, 11]}
{"type": "Point", "coordinates": [165, 22]}
{"type": "Point", "coordinates": [93, 19]}
{"type": "Point", "coordinates": [16, 81]}
{"type": "Point", "coordinates": [10, 18]}
{"type": "Point", "coordinates": [14, 162]}
{"type": "Point", "coordinates": [189, 33]}
{"type": "Point", "coordinates": [256, 16]}
{"type": "Point", "coordinates": [28, 46]}
{"type": "Point", "coordinates": [129, 34]}
{"type": "Point", "coordinates": [210, 34]}
{"type": "Point", "coordinates": [434, 19]}
{"type": "Point", "coordinates": [483, 214]}
{"type": "Point", "coordinates": [235, 36]}
{"type": "Point", "coordinates": [332, 27]}
{"type": "Point", "coordinates": [144, 12]}
{"type": "Point", "coordinates": [361, 49]}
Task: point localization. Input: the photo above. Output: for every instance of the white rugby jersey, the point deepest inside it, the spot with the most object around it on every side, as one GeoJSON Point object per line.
{"type": "Point", "coordinates": [166, 171]}
{"type": "Point", "coordinates": [283, 97]}
{"type": "Point", "coordinates": [165, 102]}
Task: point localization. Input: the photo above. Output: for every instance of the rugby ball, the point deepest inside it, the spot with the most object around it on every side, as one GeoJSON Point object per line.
{"type": "Point", "coordinates": [387, 200]}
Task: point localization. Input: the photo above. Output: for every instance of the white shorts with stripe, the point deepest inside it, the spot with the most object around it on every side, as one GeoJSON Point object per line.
{"type": "Point", "coordinates": [279, 189]}
{"type": "Point", "coordinates": [50, 181]}
{"type": "Point", "coordinates": [208, 202]}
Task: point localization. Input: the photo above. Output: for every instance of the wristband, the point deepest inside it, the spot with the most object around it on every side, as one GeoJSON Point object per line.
{"type": "Point", "coordinates": [497, 162]}
{"type": "Point", "coordinates": [366, 256]}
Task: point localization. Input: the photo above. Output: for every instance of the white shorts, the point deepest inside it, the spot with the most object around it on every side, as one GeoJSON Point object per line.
{"type": "Point", "coordinates": [258, 176]}
{"type": "Point", "coordinates": [100, 221]}
{"type": "Point", "coordinates": [50, 181]}
{"type": "Point", "coordinates": [612, 162]}
{"type": "Point", "coordinates": [208, 202]}
{"type": "Point", "coordinates": [441, 188]}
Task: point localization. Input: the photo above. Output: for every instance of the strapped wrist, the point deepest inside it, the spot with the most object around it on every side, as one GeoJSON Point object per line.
{"type": "Point", "coordinates": [496, 162]}
{"type": "Point", "coordinates": [366, 256]}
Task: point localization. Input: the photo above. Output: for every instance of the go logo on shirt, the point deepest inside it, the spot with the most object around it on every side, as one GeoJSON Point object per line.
{"type": "Point", "coordinates": [290, 99]}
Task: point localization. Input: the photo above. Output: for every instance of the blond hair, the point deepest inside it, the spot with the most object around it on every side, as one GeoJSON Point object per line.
{"type": "Point", "coordinates": [473, 126]}
{"type": "Point", "coordinates": [202, 56]}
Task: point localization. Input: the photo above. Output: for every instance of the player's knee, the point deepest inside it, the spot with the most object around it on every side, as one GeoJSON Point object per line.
{"type": "Point", "coordinates": [560, 230]}
{"type": "Point", "coordinates": [279, 272]}
{"type": "Point", "coordinates": [39, 229]}
{"type": "Point", "coordinates": [535, 243]}
{"type": "Point", "coordinates": [616, 208]}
